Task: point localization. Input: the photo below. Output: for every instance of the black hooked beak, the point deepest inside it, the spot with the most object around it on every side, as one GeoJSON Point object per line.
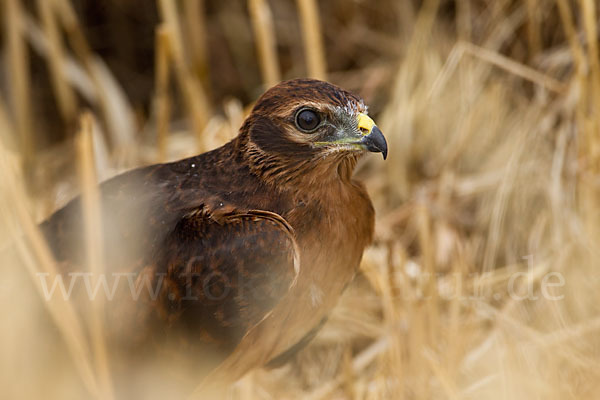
{"type": "Point", "coordinates": [375, 142]}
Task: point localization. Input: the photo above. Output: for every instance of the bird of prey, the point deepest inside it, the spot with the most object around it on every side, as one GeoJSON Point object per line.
{"type": "Point", "coordinates": [240, 252]}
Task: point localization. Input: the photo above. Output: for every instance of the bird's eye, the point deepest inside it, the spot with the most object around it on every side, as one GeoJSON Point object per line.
{"type": "Point", "coordinates": [307, 120]}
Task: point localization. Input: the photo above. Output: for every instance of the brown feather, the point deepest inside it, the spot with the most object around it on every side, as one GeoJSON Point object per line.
{"type": "Point", "coordinates": [267, 212]}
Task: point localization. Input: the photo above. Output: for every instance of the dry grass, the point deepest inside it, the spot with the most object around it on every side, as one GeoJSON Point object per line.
{"type": "Point", "coordinates": [482, 281]}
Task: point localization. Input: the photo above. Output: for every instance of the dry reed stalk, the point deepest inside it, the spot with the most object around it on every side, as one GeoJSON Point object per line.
{"type": "Point", "coordinates": [196, 37]}
{"type": "Point", "coordinates": [417, 342]}
{"type": "Point", "coordinates": [427, 247]}
{"type": "Point", "coordinates": [312, 38]}
{"type": "Point", "coordinates": [391, 299]}
{"type": "Point", "coordinates": [533, 27]}
{"type": "Point", "coordinates": [94, 246]}
{"type": "Point", "coordinates": [195, 101]}
{"type": "Point", "coordinates": [56, 61]}
{"type": "Point", "coordinates": [515, 68]}
{"type": "Point", "coordinates": [587, 199]}
{"type": "Point", "coordinates": [62, 312]}
{"type": "Point", "coordinates": [590, 24]}
{"type": "Point", "coordinates": [571, 333]}
{"type": "Point", "coordinates": [264, 33]}
{"type": "Point", "coordinates": [348, 378]}
{"type": "Point", "coordinates": [161, 99]}
{"type": "Point", "coordinates": [566, 19]}
{"type": "Point", "coordinates": [442, 375]}
{"type": "Point", "coordinates": [423, 26]}
{"type": "Point", "coordinates": [502, 198]}
{"type": "Point", "coordinates": [170, 16]}
{"type": "Point", "coordinates": [455, 340]}
{"type": "Point", "coordinates": [6, 127]}
{"type": "Point", "coordinates": [359, 363]}
{"type": "Point", "coordinates": [194, 96]}
{"type": "Point", "coordinates": [76, 38]}
{"type": "Point", "coordinates": [19, 82]}
{"type": "Point", "coordinates": [590, 149]}
{"type": "Point", "coordinates": [70, 24]}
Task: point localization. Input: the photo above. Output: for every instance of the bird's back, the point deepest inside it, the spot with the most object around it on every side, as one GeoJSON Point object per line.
{"type": "Point", "coordinates": [140, 207]}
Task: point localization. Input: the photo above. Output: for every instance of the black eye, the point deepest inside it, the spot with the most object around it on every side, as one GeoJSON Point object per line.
{"type": "Point", "coordinates": [307, 120]}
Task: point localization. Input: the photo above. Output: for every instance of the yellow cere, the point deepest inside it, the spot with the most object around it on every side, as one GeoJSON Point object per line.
{"type": "Point", "coordinates": [365, 123]}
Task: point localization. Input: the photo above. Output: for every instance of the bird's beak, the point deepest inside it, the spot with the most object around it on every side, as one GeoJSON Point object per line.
{"type": "Point", "coordinates": [373, 139]}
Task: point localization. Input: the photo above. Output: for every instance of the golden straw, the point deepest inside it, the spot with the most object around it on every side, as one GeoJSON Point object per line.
{"type": "Point", "coordinates": [92, 218]}
{"type": "Point", "coordinates": [312, 37]}
{"type": "Point", "coordinates": [264, 32]}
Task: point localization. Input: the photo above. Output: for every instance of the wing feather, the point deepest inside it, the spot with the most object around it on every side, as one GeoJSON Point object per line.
{"type": "Point", "coordinates": [222, 275]}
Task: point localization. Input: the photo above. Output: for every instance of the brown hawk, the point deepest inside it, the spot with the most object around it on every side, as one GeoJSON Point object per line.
{"type": "Point", "coordinates": [240, 252]}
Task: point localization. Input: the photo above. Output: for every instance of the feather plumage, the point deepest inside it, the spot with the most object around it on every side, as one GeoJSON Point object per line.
{"type": "Point", "coordinates": [271, 218]}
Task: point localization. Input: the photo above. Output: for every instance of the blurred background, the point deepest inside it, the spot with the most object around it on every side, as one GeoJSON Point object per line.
{"type": "Point", "coordinates": [483, 279]}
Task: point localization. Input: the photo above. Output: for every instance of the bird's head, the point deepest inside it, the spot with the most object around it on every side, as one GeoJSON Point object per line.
{"type": "Point", "coordinates": [307, 119]}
